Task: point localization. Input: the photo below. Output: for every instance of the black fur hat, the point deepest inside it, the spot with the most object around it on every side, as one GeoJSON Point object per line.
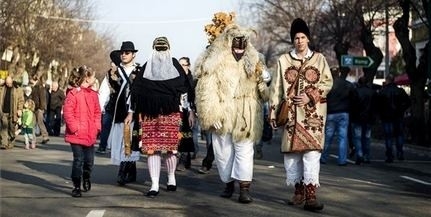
{"type": "Point", "coordinates": [299, 25]}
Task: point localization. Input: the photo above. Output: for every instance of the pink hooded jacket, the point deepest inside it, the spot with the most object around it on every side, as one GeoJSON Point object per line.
{"type": "Point", "coordinates": [82, 116]}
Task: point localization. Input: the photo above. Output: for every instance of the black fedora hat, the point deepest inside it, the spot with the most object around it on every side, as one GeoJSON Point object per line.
{"type": "Point", "coordinates": [128, 46]}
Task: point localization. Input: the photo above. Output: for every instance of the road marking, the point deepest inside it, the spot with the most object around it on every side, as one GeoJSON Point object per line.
{"type": "Point", "coordinates": [336, 156]}
{"type": "Point", "coordinates": [415, 180]}
{"type": "Point", "coordinates": [366, 182]}
{"type": "Point", "coordinates": [96, 213]}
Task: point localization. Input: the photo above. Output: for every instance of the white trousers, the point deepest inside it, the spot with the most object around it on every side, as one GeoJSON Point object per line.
{"type": "Point", "coordinates": [303, 167]}
{"type": "Point", "coordinates": [234, 160]}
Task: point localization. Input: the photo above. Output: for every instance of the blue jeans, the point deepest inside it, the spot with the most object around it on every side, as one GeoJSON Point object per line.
{"type": "Point", "coordinates": [336, 123]}
{"type": "Point", "coordinates": [209, 158]}
{"type": "Point", "coordinates": [362, 140]}
{"type": "Point", "coordinates": [106, 129]}
{"type": "Point", "coordinates": [83, 160]}
{"type": "Point", "coordinates": [394, 133]}
{"type": "Point", "coordinates": [196, 130]}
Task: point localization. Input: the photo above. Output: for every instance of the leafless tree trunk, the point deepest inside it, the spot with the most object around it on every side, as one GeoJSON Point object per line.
{"type": "Point", "coordinates": [417, 78]}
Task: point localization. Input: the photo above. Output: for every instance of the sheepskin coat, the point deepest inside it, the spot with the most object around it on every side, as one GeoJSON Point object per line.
{"type": "Point", "coordinates": [231, 92]}
{"type": "Point", "coordinates": [305, 129]}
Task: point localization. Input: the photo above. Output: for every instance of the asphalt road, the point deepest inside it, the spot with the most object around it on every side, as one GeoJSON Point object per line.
{"type": "Point", "coordinates": [36, 183]}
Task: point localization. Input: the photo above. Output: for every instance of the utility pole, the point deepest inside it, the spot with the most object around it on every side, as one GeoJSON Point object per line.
{"type": "Point", "coordinates": [429, 43]}
{"type": "Point", "coordinates": [387, 40]}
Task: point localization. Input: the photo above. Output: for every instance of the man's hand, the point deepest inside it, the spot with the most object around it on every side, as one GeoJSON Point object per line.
{"type": "Point", "coordinates": [128, 119]}
{"type": "Point", "coordinates": [192, 119]}
{"type": "Point", "coordinates": [301, 99]}
{"type": "Point", "coordinates": [261, 86]}
{"type": "Point", "coordinates": [273, 124]}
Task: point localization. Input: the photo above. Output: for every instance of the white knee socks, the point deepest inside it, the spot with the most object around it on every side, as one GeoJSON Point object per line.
{"type": "Point", "coordinates": [154, 168]}
{"type": "Point", "coordinates": [171, 164]}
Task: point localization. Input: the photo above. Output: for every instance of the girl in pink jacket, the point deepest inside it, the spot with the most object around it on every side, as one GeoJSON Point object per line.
{"type": "Point", "coordinates": [82, 116]}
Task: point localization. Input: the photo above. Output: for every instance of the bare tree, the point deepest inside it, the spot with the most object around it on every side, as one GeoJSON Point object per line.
{"type": "Point", "coordinates": [417, 75]}
{"type": "Point", "coordinates": [53, 31]}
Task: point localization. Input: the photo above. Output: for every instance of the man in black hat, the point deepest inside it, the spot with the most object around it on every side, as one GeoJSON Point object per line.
{"type": "Point", "coordinates": [303, 79]}
{"type": "Point", "coordinates": [121, 76]}
{"type": "Point", "coordinates": [156, 98]}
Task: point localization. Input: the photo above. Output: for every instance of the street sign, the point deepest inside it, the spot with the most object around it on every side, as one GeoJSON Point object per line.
{"type": "Point", "coordinates": [361, 61]}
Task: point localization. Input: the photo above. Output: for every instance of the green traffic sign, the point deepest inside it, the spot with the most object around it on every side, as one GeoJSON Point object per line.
{"type": "Point", "coordinates": [361, 61]}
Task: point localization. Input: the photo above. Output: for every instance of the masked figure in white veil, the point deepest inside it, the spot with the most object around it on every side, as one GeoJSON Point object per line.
{"type": "Point", "coordinates": [156, 97]}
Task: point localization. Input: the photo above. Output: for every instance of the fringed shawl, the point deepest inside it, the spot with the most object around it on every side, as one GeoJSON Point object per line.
{"type": "Point", "coordinates": [152, 98]}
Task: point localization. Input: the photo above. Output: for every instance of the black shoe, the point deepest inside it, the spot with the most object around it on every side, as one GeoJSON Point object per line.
{"type": "Point", "coordinates": [101, 151]}
{"type": "Point", "coordinates": [171, 187]}
{"type": "Point", "coordinates": [76, 192]}
{"type": "Point", "coordinates": [203, 170]}
{"type": "Point", "coordinates": [86, 185]}
{"type": "Point", "coordinates": [45, 141]}
{"type": "Point", "coordinates": [359, 160]}
{"type": "Point", "coordinates": [229, 189]}
{"type": "Point", "coordinates": [152, 194]}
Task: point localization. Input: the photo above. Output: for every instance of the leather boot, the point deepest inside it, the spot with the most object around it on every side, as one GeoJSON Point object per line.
{"type": "Point", "coordinates": [76, 192]}
{"type": "Point", "coordinates": [311, 203]}
{"type": "Point", "coordinates": [244, 194]}
{"type": "Point", "coordinates": [121, 178]}
{"type": "Point", "coordinates": [131, 172]}
{"type": "Point", "coordinates": [299, 196]}
{"type": "Point", "coordinates": [228, 190]}
{"type": "Point", "coordinates": [86, 183]}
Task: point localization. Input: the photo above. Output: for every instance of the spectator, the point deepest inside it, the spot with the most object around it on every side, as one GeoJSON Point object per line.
{"type": "Point", "coordinates": [39, 96]}
{"type": "Point", "coordinates": [11, 105]}
{"type": "Point", "coordinates": [207, 162]}
{"type": "Point", "coordinates": [107, 105]}
{"type": "Point", "coordinates": [362, 118]}
{"type": "Point", "coordinates": [55, 106]}
{"type": "Point", "coordinates": [28, 120]}
{"type": "Point", "coordinates": [187, 145]}
{"type": "Point", "coordinates": [339, 101]}
{"type": "Point", "coordinates": [393, 102]}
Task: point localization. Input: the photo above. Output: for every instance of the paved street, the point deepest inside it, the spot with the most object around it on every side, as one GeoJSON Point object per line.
{"type": "Point", "coordinates": [36, 183]}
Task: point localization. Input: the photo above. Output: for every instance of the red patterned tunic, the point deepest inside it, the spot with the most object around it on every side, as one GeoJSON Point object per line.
{"type": "Point", "coordinates": [161, 134]}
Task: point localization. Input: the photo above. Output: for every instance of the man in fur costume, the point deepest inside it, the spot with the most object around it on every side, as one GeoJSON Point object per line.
{"type": "Point", "coordinates": [303, 79]}
{"type": "Point", "coordinates": [229, 95]}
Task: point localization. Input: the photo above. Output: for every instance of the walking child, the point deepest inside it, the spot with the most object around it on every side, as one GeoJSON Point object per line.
{"type": "Point", "coordinates": [28, 120]}
{"type": "Point", "coordinates": [82, 116]}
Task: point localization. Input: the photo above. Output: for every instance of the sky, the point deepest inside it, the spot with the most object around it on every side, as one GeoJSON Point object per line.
{"type": "Point", "coordinates": [141, 21]}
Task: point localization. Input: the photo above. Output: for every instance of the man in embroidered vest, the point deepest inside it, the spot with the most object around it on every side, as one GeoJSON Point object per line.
{"type": "Point", "coordinates": [121, 77]}
{"type": "Point", "coordinates": [303, 78]}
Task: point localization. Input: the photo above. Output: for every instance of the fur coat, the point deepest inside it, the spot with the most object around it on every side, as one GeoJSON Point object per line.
{"type": "Point", "coordinates": [231, 92]}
